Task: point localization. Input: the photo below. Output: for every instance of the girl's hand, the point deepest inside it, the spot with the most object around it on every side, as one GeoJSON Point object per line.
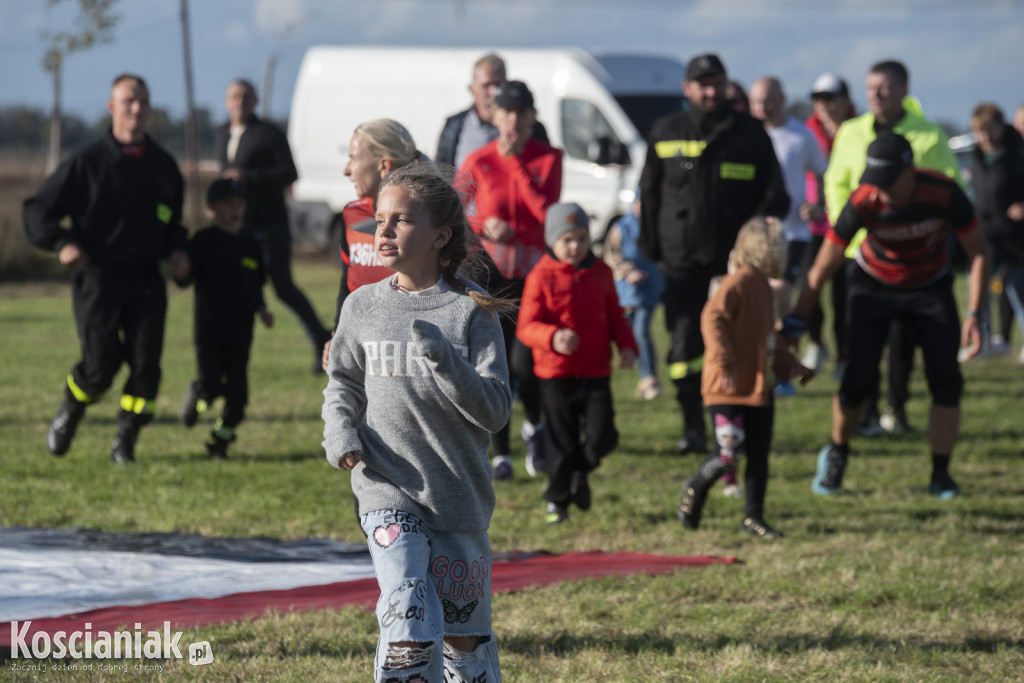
{"type": "Point", "coordinates": [350, 460]}
{"type": "Point", "coordinates": [627, 359]}
{"type": "Point", "coordinates": [727, 383]}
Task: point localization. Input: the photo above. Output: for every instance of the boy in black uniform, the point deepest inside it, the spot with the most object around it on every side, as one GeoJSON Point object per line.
{"type": "Point", "coordinates": [123, 195]}
{"type": "Point", "coordinates": [228, 270]}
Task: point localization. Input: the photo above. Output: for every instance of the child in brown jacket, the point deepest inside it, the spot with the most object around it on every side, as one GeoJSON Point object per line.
{"type": "Point", "coordinates": [742, 364]}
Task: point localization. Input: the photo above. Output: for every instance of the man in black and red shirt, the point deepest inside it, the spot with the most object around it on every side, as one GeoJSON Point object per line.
{"type": "Point", "coordinates": [904, 272]}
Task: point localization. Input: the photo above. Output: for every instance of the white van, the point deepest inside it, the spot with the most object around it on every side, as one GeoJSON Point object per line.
{"type": "Point", "coordinates": [598, 108]}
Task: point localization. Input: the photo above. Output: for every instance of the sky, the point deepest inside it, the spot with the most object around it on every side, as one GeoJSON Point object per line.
{"type": "Point", "coordinates": [959, 52]}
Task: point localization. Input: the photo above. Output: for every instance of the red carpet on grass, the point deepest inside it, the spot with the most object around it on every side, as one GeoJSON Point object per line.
{"type": "Point", "coordinates": [519, 572]}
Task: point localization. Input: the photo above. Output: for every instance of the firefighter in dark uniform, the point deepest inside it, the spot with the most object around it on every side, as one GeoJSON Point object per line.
{"type": "Point", "coordinates": [123, 195]}
{"type": "Point", "coordinates": [707, 171]}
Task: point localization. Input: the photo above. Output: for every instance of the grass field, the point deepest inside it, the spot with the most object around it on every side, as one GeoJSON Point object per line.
{"type": "Point", "coordinates": [884, 583]}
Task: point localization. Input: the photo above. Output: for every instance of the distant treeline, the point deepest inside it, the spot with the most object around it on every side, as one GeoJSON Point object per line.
{"type": "Point", "coordinates": [28, 130]}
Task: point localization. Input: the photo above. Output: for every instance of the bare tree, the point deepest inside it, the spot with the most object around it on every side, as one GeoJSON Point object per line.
{"type": "Point", "coordinates": [93, 25]}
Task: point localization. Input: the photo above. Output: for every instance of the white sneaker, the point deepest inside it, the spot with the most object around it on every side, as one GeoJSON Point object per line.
{"type": "Point", "coordinates": [814, 357]}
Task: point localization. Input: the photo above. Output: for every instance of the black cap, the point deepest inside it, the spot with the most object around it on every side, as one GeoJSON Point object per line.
{"type": "Point", "coordinates": [888, 155]}
{"type": "Point", "coordinates": [224, 188]}
{"type": "Point", "coordinates": [704, 65]}
{"type": "Point", "coordinates": [513, 95]}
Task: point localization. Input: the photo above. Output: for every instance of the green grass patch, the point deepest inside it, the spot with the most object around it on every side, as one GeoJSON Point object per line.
{"type": "Point", "coordinates": [883, 583]}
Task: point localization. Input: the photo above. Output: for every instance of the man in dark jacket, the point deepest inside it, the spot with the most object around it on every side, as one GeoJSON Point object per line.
{"type": "Point", "coordinates": [471, 129]}
{"type": "Point", "coordinates": [256, 154]}
{"type": "Point", "coordinates": [997, 179]}
{"type": "Point", "coordinates": [707, 171]}
{"type": "Point", "coordinates": [123, 195]}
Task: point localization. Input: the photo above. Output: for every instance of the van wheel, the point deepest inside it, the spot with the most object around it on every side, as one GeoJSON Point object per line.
{"type": "Point", "coordinates": [334, 240]}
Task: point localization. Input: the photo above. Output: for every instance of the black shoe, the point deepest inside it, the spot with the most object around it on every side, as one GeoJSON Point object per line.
{"type": "Point", "coordinates": [122, 451]}
{"type": "Point", "coordinates": [189, 414]}
{"type": "Point", "coordinates": [63, 426]}
{"type": "Point", "coordinates": [692, 506]}
{"type": "Point", "coordinates": [759, 527]}
{"type": "Point", "coordinates": [580, 490]}
{"type": "Point", "coordinates": [692, 442]}
{"type": "Point", "coordinates": [556, 514]}
{"type": "Point", "coordinates": [217, 446]}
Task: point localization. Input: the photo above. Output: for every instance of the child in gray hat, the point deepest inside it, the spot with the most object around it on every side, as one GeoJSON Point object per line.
{"type": "Point", "coordinates": [569, 317]}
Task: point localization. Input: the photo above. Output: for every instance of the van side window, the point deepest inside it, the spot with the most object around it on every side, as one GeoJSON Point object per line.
{"type": "Point", "coordinates": [588, 136]}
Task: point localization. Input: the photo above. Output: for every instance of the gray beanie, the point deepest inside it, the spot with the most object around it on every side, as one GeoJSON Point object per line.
{"type": "Point", "coordinates": [561, 218]}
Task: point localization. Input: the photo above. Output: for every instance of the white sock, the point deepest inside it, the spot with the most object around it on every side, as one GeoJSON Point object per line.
{"type": "Point", "coordinates": [498, 459]}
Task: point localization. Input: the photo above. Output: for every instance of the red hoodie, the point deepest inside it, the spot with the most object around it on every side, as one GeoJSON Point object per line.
{"type": "Point", "coordinates": [582, 299]}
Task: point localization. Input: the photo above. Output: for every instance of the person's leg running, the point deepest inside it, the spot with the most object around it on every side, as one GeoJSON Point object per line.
{"type": "Point", "coordinates": [277, 255]}
{"type": "Point", "coordinates": [562, 411]}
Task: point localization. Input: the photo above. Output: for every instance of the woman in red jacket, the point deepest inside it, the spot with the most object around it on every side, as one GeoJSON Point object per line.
{"type": "Point", "coordinates": [511, 183]}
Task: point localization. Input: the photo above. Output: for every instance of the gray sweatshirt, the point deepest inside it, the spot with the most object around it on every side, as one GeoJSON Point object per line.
{"type": "Point", "coordinates": [417, 384]}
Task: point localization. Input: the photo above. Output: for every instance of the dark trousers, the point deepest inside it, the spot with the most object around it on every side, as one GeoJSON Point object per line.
{"type": "Point", "coordinates": [120, 315]}
{"type": "Point", "coordinates": [686, 292]}
{"type": "Point", "coordinates": [929, 316]}
{"type": "Point", "coordinates": [757, 424]}
{"type": "Point", "coordinates": [568, 402]}
{"type": "Point", "coordinates": [520, 367]}
{"type": "Point", "coordinates": [223, 372]}
{"type": "Point", "coordinates": [277, 257]}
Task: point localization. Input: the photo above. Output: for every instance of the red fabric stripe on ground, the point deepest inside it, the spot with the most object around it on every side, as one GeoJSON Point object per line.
{"type": "Point", "coordinates": [511, 575]}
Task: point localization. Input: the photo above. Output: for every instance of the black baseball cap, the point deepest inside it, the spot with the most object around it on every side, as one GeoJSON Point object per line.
{"type": "Point", "coordinates": [704, 65]}
{"type": "Point", "coordinates": [888, 155]}
{"type": "Point", "coordinates": [513, 95]}
{"type": "Point", "coordinates": [224, 188]}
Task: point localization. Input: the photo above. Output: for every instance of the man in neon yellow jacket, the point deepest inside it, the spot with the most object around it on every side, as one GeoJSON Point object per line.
{"type": "Point", "coordinates": [890, 109]}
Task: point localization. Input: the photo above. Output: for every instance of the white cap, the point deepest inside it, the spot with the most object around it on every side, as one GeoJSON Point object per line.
{"type": "Point", "coordinates": [829, 84]}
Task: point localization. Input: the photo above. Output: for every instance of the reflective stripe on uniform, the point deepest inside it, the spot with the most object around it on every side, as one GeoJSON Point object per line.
{"type": "Point", "coordinates": [79, 394]}
{"type": "Point", "coordinates": [136, 404]}
{"type": "Point", "coordinates": [666, 149]}
{"type": "Point", "coordinates": [733, 171]}
{"type": "Point", "coordinates": [226, 433]}
{"type": "Point", "coordinates": [683, 370]}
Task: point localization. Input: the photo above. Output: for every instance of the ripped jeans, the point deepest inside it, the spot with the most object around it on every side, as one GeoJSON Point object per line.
{"type": "Point", "coordinates": [433, 584]}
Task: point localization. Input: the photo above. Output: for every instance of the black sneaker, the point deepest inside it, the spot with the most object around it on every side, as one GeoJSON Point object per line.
{"type": "Point", "coordinates": [943, 486]}
{"type": "Point", "coordinates": [692, 505]}
{"type": "Point", "coordinates": [217, 447]}
{"type": "Point", "coordinates": [831, 466]}
{"type": "Point", "coordinates": [759, 527]}
{"type": "Point", "coordinates": [556, 514]}
{"type": "Point", "coordinates": [63, 426]}
{"type": "Point", "coordinates": [579, 488]}
{"type": "Point", "coordinates": [122, 451]}
{"type": "Point", "coordinates": [692, 442]}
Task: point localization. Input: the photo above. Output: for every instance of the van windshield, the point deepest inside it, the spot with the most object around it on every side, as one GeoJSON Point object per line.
{"type": "Point", "coordinates": [644, 110]}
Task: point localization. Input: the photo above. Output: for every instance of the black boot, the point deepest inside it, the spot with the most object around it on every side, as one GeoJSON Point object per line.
{"type": "Point", "coordinates": [122, 451]}
{"type": "Point", "coordinates": [217, 446]}
{"type": "Point", "coordinates": [64, 424]}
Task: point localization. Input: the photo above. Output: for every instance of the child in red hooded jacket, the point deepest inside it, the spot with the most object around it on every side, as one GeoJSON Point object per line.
{"type": "Point", "coordinates": [569, 317]}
